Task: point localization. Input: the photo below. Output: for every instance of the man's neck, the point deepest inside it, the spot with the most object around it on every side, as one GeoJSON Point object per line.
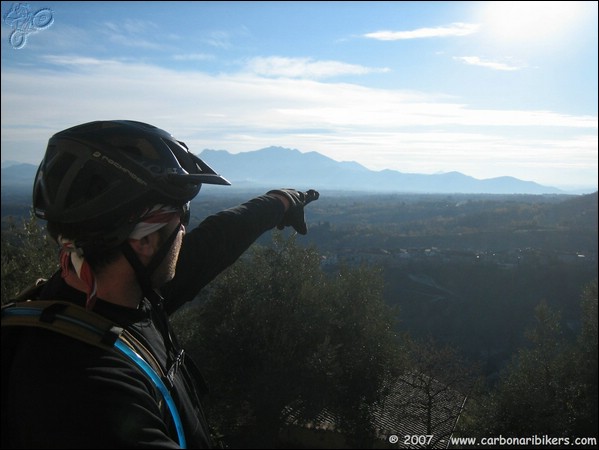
{"type": "Point", "coordinates": [115, 284]}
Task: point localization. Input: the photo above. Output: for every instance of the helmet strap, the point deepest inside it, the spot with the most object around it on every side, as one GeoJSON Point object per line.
{"type": "Point", "coordinates": [144, 278]}
{"type": "Point", "coordinates": [144, 273]}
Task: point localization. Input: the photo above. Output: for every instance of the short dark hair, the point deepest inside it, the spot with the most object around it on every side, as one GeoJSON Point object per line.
{"type": "Point", "coordinates": [97, 258]}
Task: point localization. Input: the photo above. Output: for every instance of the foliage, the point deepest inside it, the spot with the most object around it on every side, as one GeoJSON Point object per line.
{"type": "Point", "coordinates": [277, 335]}
{"type": "Point", "coordinates": [276, 330]}
{"type": "Point", "coordinates": [587, 354]}
{"type": "Point", "coordinates": [441, 381]}
{"type": "Point", "coordinates": [550, 387]}
{"type": "Point", "coordinates": [28, 253]}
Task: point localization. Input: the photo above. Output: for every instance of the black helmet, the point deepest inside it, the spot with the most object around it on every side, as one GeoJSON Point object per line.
{"type": "Point", "coordinates": [97, 176]}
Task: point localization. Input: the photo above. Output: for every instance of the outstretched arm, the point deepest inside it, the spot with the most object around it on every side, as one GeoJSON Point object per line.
{"type": "Point", "coordinates": [222, 238]}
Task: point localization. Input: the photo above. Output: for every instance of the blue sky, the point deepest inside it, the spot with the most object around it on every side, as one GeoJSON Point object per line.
{"type": "Point", "coordinates": [484, 88]}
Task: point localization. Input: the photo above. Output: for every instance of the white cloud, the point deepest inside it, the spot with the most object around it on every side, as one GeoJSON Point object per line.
{"type": "Point", "coordinates": [132, 26]}
{"type": "Point", "coordinates": [77, 62]}
{"type": "Point", "coordinates": [276, 66]}
{"type": "Point", "coordinates": [454, 29]}
{"type": "Point", "coordinates": [495, 65]}
{"type": "Point", "coordinates": [218, 39]}
{"type": "Point", "coordinates": [193, 57]}
{"type": "Point", "coordinates": [380, 128]}
{"type": "Point", "coordinates": [133, 33]}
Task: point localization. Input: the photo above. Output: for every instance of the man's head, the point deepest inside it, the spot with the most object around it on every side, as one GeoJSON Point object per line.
{"type": "Point", "coordinates": [99, 182]}
{"type": "Point", "coordinates": [97, 179]}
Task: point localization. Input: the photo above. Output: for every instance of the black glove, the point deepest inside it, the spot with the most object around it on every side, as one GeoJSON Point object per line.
{"type": "Point", "coordinates": [294, 216]}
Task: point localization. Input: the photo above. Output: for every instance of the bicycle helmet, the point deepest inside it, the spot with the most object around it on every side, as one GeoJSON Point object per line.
{"type": "Point", "coordinates": [97, 177]}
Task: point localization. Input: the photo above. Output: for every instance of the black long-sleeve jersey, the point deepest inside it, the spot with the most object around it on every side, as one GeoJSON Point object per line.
{"type": "Point", "coordinates": [63, 393]}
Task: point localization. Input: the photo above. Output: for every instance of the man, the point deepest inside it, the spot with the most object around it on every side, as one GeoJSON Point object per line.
{"type": "Point", "coordinates": [116, 198]}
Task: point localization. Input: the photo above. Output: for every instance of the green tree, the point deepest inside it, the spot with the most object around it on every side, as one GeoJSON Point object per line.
{"type": "Point", "coordinates": [433, 390]}
{"type": "Point", "coordinates": [549, 388]}
{"type": "Point", "coordinates": [584, 394]}
{"type": "Point", "coordinates": [28, 254]}
{"type": "Point", "coordinates": [533, 396]}
{"type": "Point", "coordinates": [277, 336]}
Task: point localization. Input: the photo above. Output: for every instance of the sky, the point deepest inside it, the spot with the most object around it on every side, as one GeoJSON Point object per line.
{"type": "Point", "coordinates": [487, 89]}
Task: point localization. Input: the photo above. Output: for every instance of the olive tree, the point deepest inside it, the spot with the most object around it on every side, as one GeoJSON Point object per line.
{"type": "Point", "coordinates": [276, 335]}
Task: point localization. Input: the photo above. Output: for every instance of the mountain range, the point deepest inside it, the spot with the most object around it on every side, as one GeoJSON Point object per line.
{"type": "Point", "coordinates": [276, 167]}
{"type": "Point", "coordinates": [283, 167]}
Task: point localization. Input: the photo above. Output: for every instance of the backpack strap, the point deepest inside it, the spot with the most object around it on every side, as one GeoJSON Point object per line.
{"type": "Point", "coordinates": [86, 326]}
{"type": "Point", "coordinates": [31, 291]}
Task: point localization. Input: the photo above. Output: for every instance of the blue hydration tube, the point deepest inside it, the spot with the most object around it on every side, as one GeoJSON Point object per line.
{"type": "Point", "coordinates": [145, 367]}
{"type": "Point", "coordinates": [129, 353]}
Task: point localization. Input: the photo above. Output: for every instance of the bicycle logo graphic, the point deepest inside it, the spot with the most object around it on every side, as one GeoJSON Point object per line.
{"type": "Point", "coordinates": [25, 22]}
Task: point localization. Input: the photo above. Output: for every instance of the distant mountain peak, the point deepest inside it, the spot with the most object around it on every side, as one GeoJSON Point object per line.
{"type": "Point", "coordinates": [275, 166]}
{"type": "Point", "coordinates": [275, 148]}
{"type": "Point", "coordinates": [8, 163]}
{"type": "Point", "coordinates": [281, 166]}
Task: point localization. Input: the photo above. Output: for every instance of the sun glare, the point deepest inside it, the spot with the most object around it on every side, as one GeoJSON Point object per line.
{"type": "Point", "coordinates": [530, 22]}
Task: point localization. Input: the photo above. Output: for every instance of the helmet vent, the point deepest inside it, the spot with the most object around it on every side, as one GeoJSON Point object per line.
{"type": "Point", "coordinates": [87, 186]}
{"type": "Point", "coordinates": [182, 156]}
{"type": "Point", "coordinates": [56, 169]}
